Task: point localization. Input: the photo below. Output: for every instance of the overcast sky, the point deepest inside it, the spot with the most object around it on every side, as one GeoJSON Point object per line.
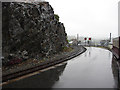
{"type": "Point", "coordinates": [90, 18]}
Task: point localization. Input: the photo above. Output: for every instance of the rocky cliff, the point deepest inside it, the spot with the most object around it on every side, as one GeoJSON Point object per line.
{"type": "Point", "coordinates": [31, 29]}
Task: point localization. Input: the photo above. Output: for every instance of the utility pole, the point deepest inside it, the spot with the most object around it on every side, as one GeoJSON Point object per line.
{"type": "Point", "coordinates": [77, 38]}
{"type": "Point", "coordinates": [110, 38]}
{"type": "Point", "coordinates": [85, 40]}
{"type": "Point", "coordinates": [90, 41]}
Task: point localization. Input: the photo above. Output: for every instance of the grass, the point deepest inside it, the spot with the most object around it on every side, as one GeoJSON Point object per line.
{"type": "Point", "coordinates": [67, 49]}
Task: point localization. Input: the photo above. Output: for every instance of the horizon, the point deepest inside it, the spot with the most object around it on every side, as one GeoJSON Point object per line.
{"type": "Point", "coordinates": [75, 37]}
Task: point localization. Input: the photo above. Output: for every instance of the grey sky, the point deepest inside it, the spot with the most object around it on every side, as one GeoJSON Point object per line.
{"type": "Point", "coordinates": [91, 18]}
{"type": "Point", "coordinates": [88, 18]}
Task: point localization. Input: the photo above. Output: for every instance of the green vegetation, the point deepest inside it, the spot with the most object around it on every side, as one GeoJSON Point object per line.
{"type": "Point", "coordinates": [68, 40]}
{"type": "Point", "coordinates": [67, 49]}
{"type": "Point", "coordinates": [56, 17]}
{"type": "Point", "coordinates": [108, 48]}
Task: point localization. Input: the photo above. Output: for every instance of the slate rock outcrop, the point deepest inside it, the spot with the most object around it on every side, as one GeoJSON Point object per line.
{"type": "Point", "coordinates": [30, 30]}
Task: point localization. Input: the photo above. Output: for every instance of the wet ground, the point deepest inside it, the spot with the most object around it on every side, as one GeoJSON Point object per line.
{"type": "Point", "coordinates": [92, 69]}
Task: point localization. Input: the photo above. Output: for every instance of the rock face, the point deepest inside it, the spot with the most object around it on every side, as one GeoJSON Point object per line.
{"type": "Point", "coordinates": [31, 28]}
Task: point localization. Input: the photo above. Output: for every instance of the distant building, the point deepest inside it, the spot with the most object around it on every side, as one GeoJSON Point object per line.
{"type": "Point", "coordinates": [104, 43]}
{"type": "Point", "coordinates": [73, 42]}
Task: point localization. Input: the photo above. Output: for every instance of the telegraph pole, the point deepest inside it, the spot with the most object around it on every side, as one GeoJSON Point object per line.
{"type": "Point", "coordinates": [77, 38]}
{"type": "Point", "coordinates": [110, 37]}
{"type": "Point", "coordinates": [85, 40]}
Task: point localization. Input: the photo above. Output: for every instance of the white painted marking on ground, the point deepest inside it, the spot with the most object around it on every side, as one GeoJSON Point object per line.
{"type": "Point", "coordinates": [31, 74]}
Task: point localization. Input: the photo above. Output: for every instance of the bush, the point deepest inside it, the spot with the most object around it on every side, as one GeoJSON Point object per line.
{"type": "Point", "coordinates": [56, 17]}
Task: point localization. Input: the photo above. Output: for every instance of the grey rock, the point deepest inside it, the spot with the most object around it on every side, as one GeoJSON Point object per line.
{"type": "Point", "coordinates": [31, 27]}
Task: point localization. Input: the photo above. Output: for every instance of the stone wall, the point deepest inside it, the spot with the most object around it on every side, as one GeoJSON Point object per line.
{"type": "Point", "coordinates": [31, 29]}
